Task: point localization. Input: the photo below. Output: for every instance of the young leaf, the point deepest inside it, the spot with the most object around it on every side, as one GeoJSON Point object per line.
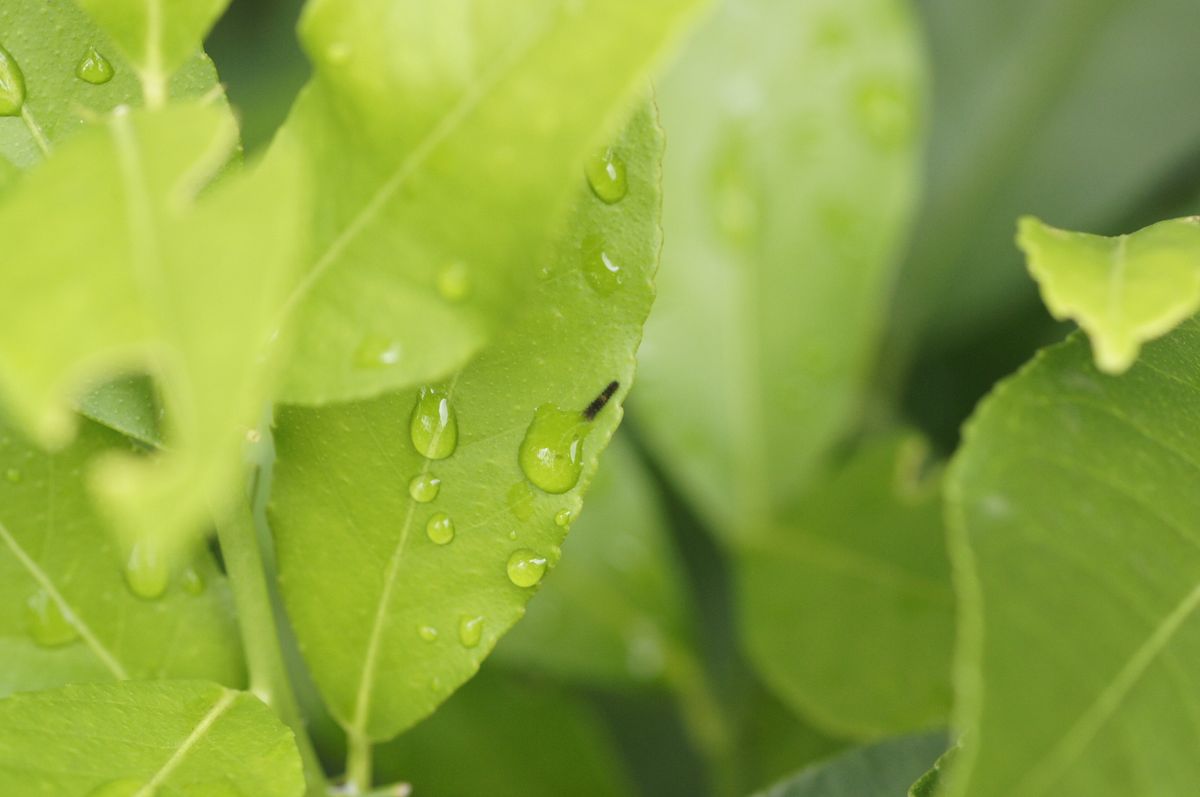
{"type": "Point", "coordinates": [468, 122]}
{"type": "Point", "coordinates": [787, 202]}
{"type": "Point", "coordinates": [881, 770]}
{"type": "Point", "coordinates": [67, 612]}
{"type": "Point", "coordinates": [425, 576]}
{"type": "Point", "coordinates": [1073, 512]}
{"type": "Point", "coordinates": [140, 739]}
{"type": "Point", "coordinates": [150, 276]}
{"type": "Point", "coordinates": [1122, 291]}
{"type": "Point", "coordinates": [846, 607]}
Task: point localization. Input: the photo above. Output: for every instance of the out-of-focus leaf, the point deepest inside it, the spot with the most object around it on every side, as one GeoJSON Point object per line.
{"type": "Point", "coordinates": [787, 199]}
{"type": "Point", "coordinates": [127, 740]}
{"type": "Point", "coordinates": [66, 613]}
{"type": "Point", "coordinates": [1073, 515]}
{"type": "Point", "coordinates": [469, 123]}
{"type": "Point", "coordinates": [1122, 291]}
{"type": "Point", "coordinates": [415, 616]}
{"type": "Point", "coordinates": [881, 770]}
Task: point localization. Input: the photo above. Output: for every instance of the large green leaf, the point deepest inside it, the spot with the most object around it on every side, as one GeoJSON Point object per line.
{"type": "Point", "coordinates": [66, 611]}
{"type": "Point", "coordinates": [415, 617]}
{"type": "Point", "coordinates": [468, 123]}
{"type": "Point", "coordinates": [881, 770]}
{"type": "Point", "coordinates": [167, 738]}
{"type": "Point", "coordinates": [148, 276]}
{"type": "Point", "coordinates": [846, 606]}
{"type": "Point", "coordinates": [1073, 510]}
{"type": "Point", "coordinates": [786, 201]}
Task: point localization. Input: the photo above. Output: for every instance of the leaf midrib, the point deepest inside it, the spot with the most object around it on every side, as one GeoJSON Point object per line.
{"type": "Point", "coordinates": [181, 752]}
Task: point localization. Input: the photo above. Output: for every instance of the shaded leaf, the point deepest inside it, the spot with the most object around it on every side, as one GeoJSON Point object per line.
{"type": "Point", "coordinates": [882, 770]}
{"type": "Point", "coordinates": [128, 405]}
{"type": "Point", "coordinates": [929, 783]}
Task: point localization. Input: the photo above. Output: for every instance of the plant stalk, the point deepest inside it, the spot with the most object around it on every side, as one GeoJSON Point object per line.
{"type": "Point", "coordinates": [704, 720]}
{"type": "Point", "coordinates": [358, 762]}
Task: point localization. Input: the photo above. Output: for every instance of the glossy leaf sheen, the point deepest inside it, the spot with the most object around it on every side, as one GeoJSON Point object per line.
{"type": "Point", "coordinates": [881, 770]}
{"type": "Point", "coordinates": [351, 540]}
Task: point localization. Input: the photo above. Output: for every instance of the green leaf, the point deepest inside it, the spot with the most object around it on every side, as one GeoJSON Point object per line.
{"type": "Point", "coordinates": [352, 542]}
{"type": "Point", "coordinates": [881, 770]}
{"type": "Point", "coordinates": [928, 784]}
{"type": "Point", "coordinates": [1073, 512]}
{"type": "Point", "coordinates": [129, 740]}
{"type": "Point", "coordinates": [150, 277]}
{"type": "Point", "coordinates": [48, 39]}
{"type": "Point", "coordinates": [469, 123]}
{"type": "Point", "coordinates": [1122, 291]}
{"type": "Point", "coordinates": [846, 607]}
{"type": "Point", "coordinates": [787, 202]}
{"type": "Point", "coordinates": [128, 405]}
{"type": "Point", "coordinates": [66, 611]}
{"type": "Point", "coordinates": [615, 609]}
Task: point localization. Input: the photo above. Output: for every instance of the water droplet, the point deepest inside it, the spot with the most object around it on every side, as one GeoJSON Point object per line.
{"type": "Point", "coordinates": [94, 68]}
{"type": "Point", "coordinates": [46, 622]}
{"type": "Point", "coordinates": [424, 487]}
{"type": "Point", "coordinates": [470, 631]}
{"type": "Point", "coordinates": [376, 351]}
{"type": "Point", "coordinates": [440, 528]}
{"type": "Point", "coordinates": [606, 176]}
{"type": "Point", "coordinates": [121, 788]}
{"type": "Point", "coordinates": [454, 282]}
{"type": "Point", "coordinates": [602, 272]}
{"type": "Point", "coordinates": [433, 424]}
{"type": "Point", "coordinates": [192, 582]}
{"type": "Point", "coordinates": [428, 633]}
{"type": "Point", "coordinates": [512, 535]}
{"type": "Point", "coordinates": [12, 475]}
{"type": "Point", "coordinates": [563, 518]}
{"type": "Point", "coordinates": [338, 53]}
{"type": "Point", "coordinates": [885, 113]}
{"type": "Point", "coordinates": [12, 85]}
{"type": "Point", "coordinates": [520, 500]}
{"type": "Point", "coordinates": [146, 571]}
{"type": "Point", "coordinates": [526, 568]}
{"type": "Point", "coordinates": [552, 452]}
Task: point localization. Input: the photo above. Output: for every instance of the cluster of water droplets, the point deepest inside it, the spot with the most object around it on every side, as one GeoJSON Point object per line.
{"type": "Point", "coordinates": [92, 68]}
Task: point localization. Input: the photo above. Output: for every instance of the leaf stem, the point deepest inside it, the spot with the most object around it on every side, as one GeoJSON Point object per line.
{"type": "Point", "coordinates": [358, 761]}
{"type": "Point", "coordinates": [269, 679]}
{"type": "Point", "coordinates": [704, 719]}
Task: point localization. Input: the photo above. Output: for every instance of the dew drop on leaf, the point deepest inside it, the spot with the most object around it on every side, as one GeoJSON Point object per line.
{"type": "Point", "coordinates": [606, 176]}
{"type": "Point", "coordinates": [453, 282]}
{"type": "Point", "coordinates": [470, 631]}
{"type": "Point", "coordinates": [551, 454]}
{"type": "Point", "coordinates": [526, 568]}
{"type": "Point", "coordinates": [94, 68]}
{"type": "Point", "coordinates": [12, 85]}
{"type": "Point", "coordinates": [424, 487]}
{"type": "Point", "coordinates": [433, 424]}
{"type": "Point", "coordinates": [376, 351]}
{"type": "Point", "coordinates": [47, 624]}
{"type": "Point", "coordinates": [121, 788]}
{"type": "Point", "coordinates": [440, 529]}
{"type": "Point", "coordinates": [602, 272]}
{"type": "Point", "coordinates": [12, 475]}
{"type": "Point", "coordinates": [192, 582]}
{"type": "Point", "coordinates": [427, 632]}
{"type": "Point", "coordinates": [520, 500]}
{"type": "Point", "coordinates": [563, 518]}
{"type": "Point", "coordinates": [146, 572]}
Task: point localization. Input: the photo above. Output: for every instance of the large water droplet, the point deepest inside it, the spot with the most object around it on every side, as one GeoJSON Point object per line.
{"type": "Point", "coordinates": [428, 633]}
{"type": "Point", "coordinates": [120, 788]}
{"type": "Point", "coordinates": [526, 568]}
{"type": "Point", "coordinates": [440, 528]}
{"type": "Point", "coordinates": [602, 272]}
{"type": "Point", "coordinates": [552, 452]}
{"type": "Point", "coordinates": [470, 631]}
{"type": "Point", "coordinates": [520, 500]}
{"type": "Point", "coordinates": [12, 85]}
{"type": "Point", "coordinates": [454, 282]}
{"type": "Point", "coordinates": [376, 351]}
{"type": "Point", "coordinates": [433, 424]}
{"type": "Point", "coordinates": [606, 176]}
{"type": "Point", "coordinates": [94, 68]}
{"type": "Point", "coordinates": [47, 624]}
{"type": "Point", "coordinates": [424, 487]}
{"type": "Point", "coordinates": [146, 571]}
{"type": "Point", "coordinates": [12, 475]}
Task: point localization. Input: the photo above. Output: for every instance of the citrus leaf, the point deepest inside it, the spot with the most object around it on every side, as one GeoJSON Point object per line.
{"type": "Point", "coordinates": [136, 739]}
{"type": "Point", "coordinates": [469, 123]}
{"type": "Point", "coordinates": [128, 405]}
{"type": "Point", "coordinates": [882, 770]}
{"type": "Point", "coordinates": [67, 613]}
{"type": "Point", "coordinates": [1073, 516]}
{"type": "Point", "coordinates": [1122, 291]}
{"type": "Point", "coordinates": [929, 783]}
{"type": "Point", "coordinates": [787, 203]}
{"type": "Point", "coordinates": [418, 606]}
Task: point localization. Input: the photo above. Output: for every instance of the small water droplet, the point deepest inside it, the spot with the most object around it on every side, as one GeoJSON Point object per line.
{"type": "Point", "coordinates": [606, 176]}
{"type": "Point", "coordinates": [470, 631]}
{"type": "Point", "coordinates": [602, 272]}
{"type": "Point", "coordinates": [454, 282]}
{"type": "Point", "coordinates": [428, 633]}
{"type": "Point", "coordinates": [512, 535]}
{"type": "Point", "coordinates": [526, 568]}
{"type": "Point", "coordinates": [433, 424]}
{"type": "Point", "coordinates": [435, 684]}
{"type": "Point", "coordinates": [47, 624]}
{"type": "Point", "coordinates": [192, 582]}
{"type": "Point", "coordinates": [551, 454]}
{"type": "Point", "coordinates": [520, 501]}
{"type": "Point", "coordinates": [440, 528]}
{"type": "Point", "coordinates": [885, 113]}
{"type": "Point", "coordinates": [12, 85]}
{"type": "Point", "coordinates": [13, 475]}
{"type": "Point", "coordinates": [376, 351]}
{"type": "Point", "coordinates": [146, 571]}
{"type": "Point", "coordinates": [563, 518]}
{"type": "Point", "coordinates": [338, 53]}
{"type": "Point", "coordinates": [424, 487]}
{"type": "Point", "coordinates": [94, 68]}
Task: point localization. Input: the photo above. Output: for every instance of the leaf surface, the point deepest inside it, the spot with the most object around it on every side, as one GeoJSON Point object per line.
{"type": "Point", "coordinates": [881, 770]}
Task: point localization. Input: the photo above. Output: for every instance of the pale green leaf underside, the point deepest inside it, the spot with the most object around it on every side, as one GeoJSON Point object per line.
{"type": "Point", "coordinates": [881, 770]}
{"type": "Point", "coordinates": [352, 543]}
{"type": "Point", "coordinates": [846, 607]}
{"type": "Point", "coordinates": [160, 739]}
{"type": "Point", "coordinates": [54, 547]}
{"type": "Point", "coordinates": [1074, 514]}
{"type": "Point", "coordinates": [1122, 291]}
{"type": "Point", "coordinates": [468, 123]}
{"type": "Point", "coordinates": [786, 202]}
